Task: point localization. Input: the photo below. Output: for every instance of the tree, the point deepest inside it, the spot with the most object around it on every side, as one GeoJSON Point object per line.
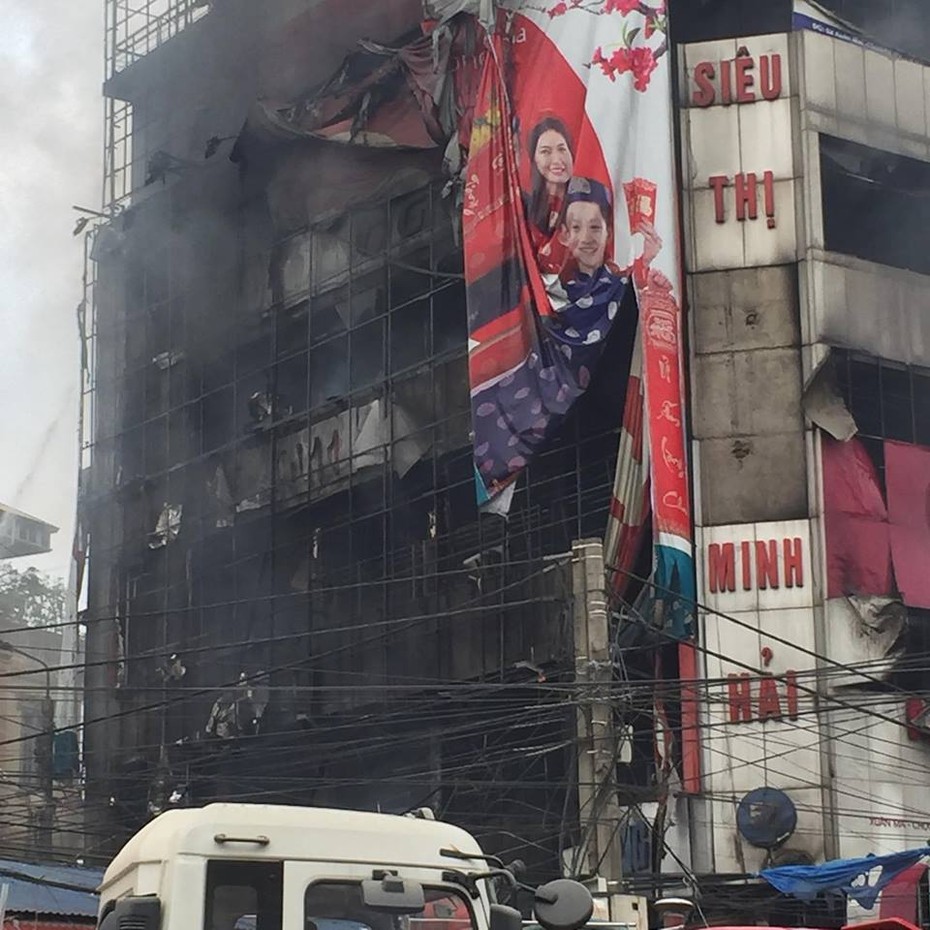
{"type": "Point", "coordinates": [30, 598]}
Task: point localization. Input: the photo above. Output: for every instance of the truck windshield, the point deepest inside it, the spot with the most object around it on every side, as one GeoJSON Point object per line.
{"type": "Point", "coordinates": [339, 906]}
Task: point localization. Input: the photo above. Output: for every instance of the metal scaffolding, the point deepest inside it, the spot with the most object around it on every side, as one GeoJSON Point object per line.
{"type": "Point", "coordinates": [137, 27]}
{"type": "Point", "coordinates": [134, 29]}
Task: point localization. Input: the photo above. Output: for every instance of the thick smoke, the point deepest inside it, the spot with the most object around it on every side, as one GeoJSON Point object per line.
{"type": "Point", "coordinates": [51, 67]}
{"type": "Point", "coordinates": [903, 25]}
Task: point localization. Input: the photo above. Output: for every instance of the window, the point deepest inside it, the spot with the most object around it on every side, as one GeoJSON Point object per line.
{"type": "Point", "coordinates": [244, 895]}
{"type": "Point", "coordinates": [406, 283]}
{"type": "Point", "coordinates": [875, 204]}
{"type": "Point", "coordinates": [887, 400]}
{"type": "Point", "coordinates": [339, 906]}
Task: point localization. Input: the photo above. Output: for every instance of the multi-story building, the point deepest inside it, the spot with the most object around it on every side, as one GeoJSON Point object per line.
{"type": "Point", "coordinates": [803, 158]}
{"type": "Point", "coordinates": [282, 488]}
{"type": "Point", "coordinates": [40, 687]}
{"type": "Point", "coordinates": [292, 594]}
{"type": "Point", "coordinates": [39, 778]}
{"type": "Point", "coordinates": [22, 535]}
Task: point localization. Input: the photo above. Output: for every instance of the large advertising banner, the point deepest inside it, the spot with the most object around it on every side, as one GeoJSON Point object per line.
{"type": "Point", "coordinates": [569, 210]}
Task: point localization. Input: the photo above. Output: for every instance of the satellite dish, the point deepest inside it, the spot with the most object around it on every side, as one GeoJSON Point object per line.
{"type": "Point", "coordinates": [766, 818]}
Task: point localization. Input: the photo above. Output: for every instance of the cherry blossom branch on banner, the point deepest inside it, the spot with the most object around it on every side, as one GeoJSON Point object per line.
{"type": "Point", "coordinates": [638, 51]}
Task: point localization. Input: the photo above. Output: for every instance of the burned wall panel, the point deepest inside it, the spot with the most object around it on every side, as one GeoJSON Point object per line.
{"type": "Point", "coordinates": [746, 379]}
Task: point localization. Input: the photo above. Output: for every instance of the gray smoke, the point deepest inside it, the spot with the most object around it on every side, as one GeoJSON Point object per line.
{"type": "Point", "coordinates": [51, 67]}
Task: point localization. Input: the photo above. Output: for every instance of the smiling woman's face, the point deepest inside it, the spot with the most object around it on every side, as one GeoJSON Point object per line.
{"type": "Point", "coordinates": [553, 158]}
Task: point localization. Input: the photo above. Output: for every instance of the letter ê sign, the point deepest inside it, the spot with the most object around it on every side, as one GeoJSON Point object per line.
{"type": "Point", "coordinates": [737, 80]}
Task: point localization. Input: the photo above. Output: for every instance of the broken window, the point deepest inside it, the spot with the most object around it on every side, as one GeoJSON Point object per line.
{"type": "Point", "coordinates": [131, 464]}
{"type": "Point", "coordinates": [329, 314]}
{"type": "Point", "coordinates": [412, 278]}
{"type": "Point", "coordinates": [411, 215]}
{"type": "Point", "coordinates": [876, 485]}
{"type": "Point", "coordinates": [156, 446]}
{"type": "Point", "coordinates": [450, 318]}
{"type": "Point", "coordinates": [369, 233]}
{"type": "Point", "coordinates": [410, 335]}
{"type": "Point", "coordinates": [369, 297]}
{"type": "Point", "coordinates": [366, 347]}
{"type": "Point", "coordinates": [291, 333]}
{"type": "Point", "coordinates": [331, 255]}
{"type": "Point", "coordinates": [254, 400]}
{"type": "Point", "coordinates": [887, 400]}
{"type": "Point", "coordinates": [218, 413]}
{"type": "Point", "coordinates": [876, 205]}
{"type": "Point", "coordinates": [329, 371]}
{"type": "Point", "coordinates": [453, 410]}
{"type": "Point", "coordinates": [289, 271]}
{"type": "Point", "coordinates": [292, 383]}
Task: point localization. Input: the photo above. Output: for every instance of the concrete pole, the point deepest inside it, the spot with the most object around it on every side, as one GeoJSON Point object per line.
{"type": "Point", "coordinates": [599, 812]}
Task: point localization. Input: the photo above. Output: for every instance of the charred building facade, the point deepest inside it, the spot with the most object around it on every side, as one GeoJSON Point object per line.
{"type": "Point", "coordinates": [293, 593]}
{"type": "Point", "coordinates": [289, 569]}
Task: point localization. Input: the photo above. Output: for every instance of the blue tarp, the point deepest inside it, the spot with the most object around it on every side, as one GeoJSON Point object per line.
{"type": "Point", "coordinates": [861, 879]}
{"type": "Point", "coordinates": [50, 889]}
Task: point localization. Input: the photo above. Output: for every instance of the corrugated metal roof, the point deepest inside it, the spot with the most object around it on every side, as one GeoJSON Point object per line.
{"type": "Point", "coordinates": [50, 889]}
{"type": "Point", "coordinates": [21, 922]}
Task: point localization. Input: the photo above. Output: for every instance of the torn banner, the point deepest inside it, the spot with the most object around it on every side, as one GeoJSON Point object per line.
{"type": "Point", "coordinates": [861, 879]}
{"type": "Point", "coordinates": [873, 549]}
{"type": "Point", "coordinates": [569, 204]}
{"type": "Point", "coordinates": [564, 113]}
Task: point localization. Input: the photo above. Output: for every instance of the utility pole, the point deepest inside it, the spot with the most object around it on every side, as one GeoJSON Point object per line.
{"type": "Point", "coordinates": [45, 748]}
{"type": "Point", "coordinates": [599, 852]}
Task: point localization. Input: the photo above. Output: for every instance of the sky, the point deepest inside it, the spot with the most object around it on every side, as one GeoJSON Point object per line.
{"type": "Point", "coordinates": [51, 70]}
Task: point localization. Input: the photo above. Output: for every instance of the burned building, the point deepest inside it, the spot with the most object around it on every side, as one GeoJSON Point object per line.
{"type": "Point", "coordinates": [296, 594]}
{"type": "Point", "coordinates": [289, 568]}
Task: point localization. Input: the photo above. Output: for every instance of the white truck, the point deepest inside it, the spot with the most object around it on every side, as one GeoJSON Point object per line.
{"type": "Point", "coordinates": [267, 867]}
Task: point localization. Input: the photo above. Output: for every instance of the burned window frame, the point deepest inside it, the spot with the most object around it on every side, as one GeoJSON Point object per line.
{"type": "Point", "coordinates": [875, 203]}
{"type": "Point", "coordinates": [869, 387]}
{"type": "Point", "coordinates": [382, 544]}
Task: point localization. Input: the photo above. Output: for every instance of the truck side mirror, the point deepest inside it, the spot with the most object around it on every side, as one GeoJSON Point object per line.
{"type": "Point", "coordinates": [142, 912]}
{"type": "Point", "coordinates": [505, 918]}
{"type": "Point", "coordinates": [563, 905]}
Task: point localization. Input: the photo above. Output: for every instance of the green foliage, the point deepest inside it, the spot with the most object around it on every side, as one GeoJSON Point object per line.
{"type": "Point", "coordinates": [30, 598]}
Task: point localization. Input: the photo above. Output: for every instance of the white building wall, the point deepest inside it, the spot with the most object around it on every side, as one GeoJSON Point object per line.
{"type": "Point", "coordinates": [882, 777]}
{"type": "Point", "coordinates": [766, 301]}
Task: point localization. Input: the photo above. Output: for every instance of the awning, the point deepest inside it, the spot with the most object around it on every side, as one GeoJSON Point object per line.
{"type": "Point", "coordinates": [875, 872]}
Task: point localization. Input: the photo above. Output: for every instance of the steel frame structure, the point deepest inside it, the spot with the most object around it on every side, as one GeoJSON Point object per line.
{"type": "Point", "coordinates": [133, 30]}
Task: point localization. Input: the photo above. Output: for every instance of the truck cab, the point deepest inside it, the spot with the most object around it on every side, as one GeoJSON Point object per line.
{"type": "Point", "coordinates": [268, 867]}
